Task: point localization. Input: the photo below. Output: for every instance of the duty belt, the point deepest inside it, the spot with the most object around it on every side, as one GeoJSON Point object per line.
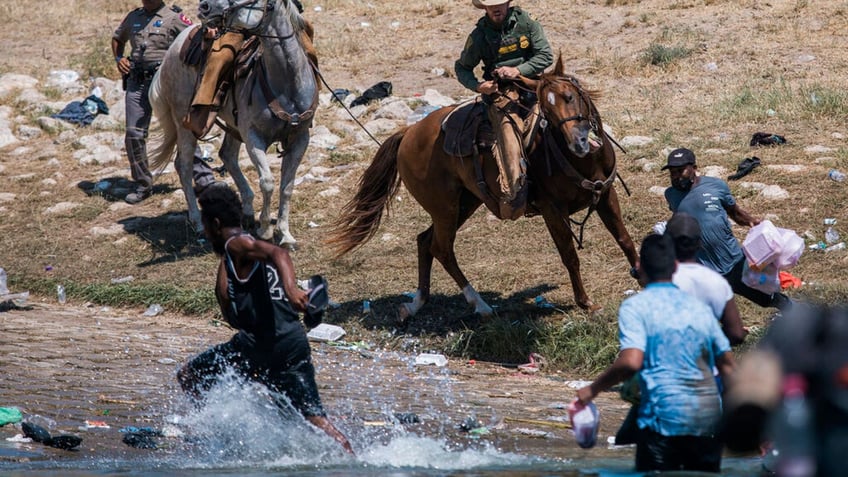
{"type": "Point", "coordinates": [144, 73]}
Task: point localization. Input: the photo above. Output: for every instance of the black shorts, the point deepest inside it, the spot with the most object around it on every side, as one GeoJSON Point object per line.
{"type": "Point", "coordinates": [655, 451]}
{"type": "Point", "coordinates": [296, 381]}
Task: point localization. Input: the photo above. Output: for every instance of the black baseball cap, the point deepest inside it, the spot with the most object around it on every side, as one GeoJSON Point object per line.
{"type": "Point", "coordinates": [679, 157]}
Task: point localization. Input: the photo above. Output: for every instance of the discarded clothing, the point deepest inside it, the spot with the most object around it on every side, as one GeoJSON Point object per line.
{"type": "Point", "coordinates": [82, 112]}
{"type": "Point", "coordinates": [40, 434]}
{"type": "Point", "coordinates": [139, 440]}
{"type": "Point", "coordinates": [10, 415]}
{"type": "Point", "coordinates": [787, 280]}
{"type": "Point", "coordinates": [340, 94]}
{"type": "Point", "coordinates": [745, 167]}
{"type": "Point", "coordinates": [767, 139]}
{"type": "Point", "coordinates": [146, 431]}
{"type": "Point", "coordinates": [383, 89]}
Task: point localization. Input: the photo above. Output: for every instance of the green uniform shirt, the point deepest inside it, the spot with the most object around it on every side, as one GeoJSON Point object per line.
{"type": "Point", "coordinates": [519, 42]}
{"type": "Point", "coordinates": [150, 33]}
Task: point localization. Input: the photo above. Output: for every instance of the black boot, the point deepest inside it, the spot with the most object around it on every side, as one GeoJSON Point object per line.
{"type": "Point", "coordinates": [137, 154]}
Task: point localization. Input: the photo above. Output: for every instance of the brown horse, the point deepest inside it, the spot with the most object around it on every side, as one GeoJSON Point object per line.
{"type": "Point", "coordinates": [571, 168]}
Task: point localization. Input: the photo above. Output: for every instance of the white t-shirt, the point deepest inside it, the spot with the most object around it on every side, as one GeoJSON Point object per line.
{"type": "Point", "coordinates": [705, 284]}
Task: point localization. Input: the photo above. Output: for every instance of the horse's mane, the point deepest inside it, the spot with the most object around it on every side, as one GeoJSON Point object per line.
{"type": "Point", "coordinates": [295, 17]}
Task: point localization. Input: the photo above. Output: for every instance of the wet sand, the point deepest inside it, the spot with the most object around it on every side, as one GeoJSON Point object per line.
{"type": "Point", "coordinates": [67, 364]}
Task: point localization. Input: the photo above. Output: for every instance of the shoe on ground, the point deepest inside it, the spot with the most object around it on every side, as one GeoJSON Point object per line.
{"type": "Point", "coordinates": [137, 196]}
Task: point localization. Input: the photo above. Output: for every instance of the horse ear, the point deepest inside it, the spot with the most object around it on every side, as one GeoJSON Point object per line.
{"type": "Point", "coordinates": [559, 69]}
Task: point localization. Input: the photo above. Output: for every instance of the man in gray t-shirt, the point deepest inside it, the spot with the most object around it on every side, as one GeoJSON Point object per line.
{"type": "Point", "coordinates": [709, 200]}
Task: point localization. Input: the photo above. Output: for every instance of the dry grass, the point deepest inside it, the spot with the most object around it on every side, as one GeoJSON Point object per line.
{"type": "Point", "coordinates": [784, 56]}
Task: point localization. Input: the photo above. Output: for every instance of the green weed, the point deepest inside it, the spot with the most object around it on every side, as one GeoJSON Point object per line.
{"type": "Point", "coordinates": [95, 59]}
{"type": "Point", "coordinates": [195, 301]}
{"type": "Point", "coordinates": [661, 55]}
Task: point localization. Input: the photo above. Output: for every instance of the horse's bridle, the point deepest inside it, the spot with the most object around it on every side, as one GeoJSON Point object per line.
{"type": "Point", "coordinates": [593, 122]}
{"type": "Point", "coordinates": [597, 187]}
{"type": "Point", "coordinates": [235, 5]}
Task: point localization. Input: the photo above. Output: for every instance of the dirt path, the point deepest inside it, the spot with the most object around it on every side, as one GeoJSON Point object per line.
{"type": "Point", "coordinates": [67, 364]}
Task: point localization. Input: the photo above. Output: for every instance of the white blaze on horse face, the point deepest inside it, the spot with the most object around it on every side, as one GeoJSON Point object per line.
{"type": "Point", "coordinates": [551, 98]}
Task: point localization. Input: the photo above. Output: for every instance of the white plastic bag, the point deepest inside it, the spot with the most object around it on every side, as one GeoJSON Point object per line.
{"type": "Point", "coordinates": [762, 244]}
{"type": "Point", "coordinates": [766, 279]}
{"type": "Point", "coordinates": [585, 421]}
{"type": "Point", "coordinates": [791, 248]}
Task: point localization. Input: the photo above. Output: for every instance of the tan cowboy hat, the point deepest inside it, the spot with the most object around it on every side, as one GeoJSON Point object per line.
{"type": "Point", "coordinates": [488, 3]}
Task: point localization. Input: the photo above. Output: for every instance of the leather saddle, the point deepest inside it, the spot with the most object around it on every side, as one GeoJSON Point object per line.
{"type": "Point", "coordinates": [195, 48]}
{"type": "Point", "coordinates": [247, 57]}
{"type": "Point", "coordinates": [460, 127]}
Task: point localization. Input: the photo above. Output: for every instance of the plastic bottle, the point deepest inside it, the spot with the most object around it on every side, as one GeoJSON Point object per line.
{"type": "Point", "coordinates": [3, 289]}
{"type": "Point", "coordinates": [818, 246]}
{"type": "Point", "coordinates": [792, 430]}
{"type": "Point", "coordinates": [835, 175]}
{"type": "Point", "coordinates": [831, 235]}
{"type": "Point", "coordinates": [836, 246]}
{"type": "Point", "coordinates": [60, 294]}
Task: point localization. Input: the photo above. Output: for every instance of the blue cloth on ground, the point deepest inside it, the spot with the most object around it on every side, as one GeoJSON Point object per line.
{"type": "Point", "coordinates": [83, 112]}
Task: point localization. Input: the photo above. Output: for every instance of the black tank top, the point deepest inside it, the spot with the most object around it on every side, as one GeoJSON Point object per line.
{"type": "Point", "coordinates": [260, 309]}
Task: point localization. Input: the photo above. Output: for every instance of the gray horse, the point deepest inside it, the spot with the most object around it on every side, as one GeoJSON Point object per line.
{"type": "Point", "coordinates": [274, 103]}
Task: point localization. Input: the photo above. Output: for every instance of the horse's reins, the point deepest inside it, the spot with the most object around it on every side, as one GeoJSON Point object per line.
{"type": "Point", "coordinates": [332, 91]}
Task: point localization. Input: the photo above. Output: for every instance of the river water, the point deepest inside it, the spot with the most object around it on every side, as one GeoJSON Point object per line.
{"type": "Point", "coordinates": [66, 366]}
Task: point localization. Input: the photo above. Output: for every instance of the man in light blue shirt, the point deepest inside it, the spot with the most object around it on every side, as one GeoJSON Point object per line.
{"type": "Point", "coordinates": [673, 341]}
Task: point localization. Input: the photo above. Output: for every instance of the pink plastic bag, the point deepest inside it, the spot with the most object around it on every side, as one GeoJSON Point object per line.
{"type": "Point", "coordinates": [762, 244]}
{"type": "Point", "coordinates": [791, 248]}
{"type": "Point", "coordinates": [585, 420]}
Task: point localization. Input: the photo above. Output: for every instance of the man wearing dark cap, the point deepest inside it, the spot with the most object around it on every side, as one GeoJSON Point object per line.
{"type": "Point", "coordinates": [709, 201]}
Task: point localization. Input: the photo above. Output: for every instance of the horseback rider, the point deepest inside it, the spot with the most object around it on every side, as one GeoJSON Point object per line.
{"type": "Point", "coordinates": [216, 73]}
{"type": "Point", "coordinates": [509, 42]}
{"type": "Point", "coordinates": [150, 29]}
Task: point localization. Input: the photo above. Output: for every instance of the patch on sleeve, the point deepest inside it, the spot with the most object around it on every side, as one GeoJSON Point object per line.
{"type": "Point", "coordinates": [186, 20]}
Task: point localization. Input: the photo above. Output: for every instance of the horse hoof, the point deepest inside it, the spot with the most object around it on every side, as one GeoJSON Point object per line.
{"type": "Point", "coordinates": [590, 307]}
{"type": "Point", "coordinates": [484, 311]}
{"type": "Point", "coordinates": [405, 313]}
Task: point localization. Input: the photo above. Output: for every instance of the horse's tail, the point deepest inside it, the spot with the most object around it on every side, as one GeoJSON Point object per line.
{"type": "Point", "coordinates": [360, 217]}
{"type": "Point", "coordinates": [164, 138]}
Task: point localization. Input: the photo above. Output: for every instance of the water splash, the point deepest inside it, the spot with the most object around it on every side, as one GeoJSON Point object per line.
{"type": "Point", "coordinates": [429, 453]}
{"type": "Point", "coordinates": [243, 424]}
